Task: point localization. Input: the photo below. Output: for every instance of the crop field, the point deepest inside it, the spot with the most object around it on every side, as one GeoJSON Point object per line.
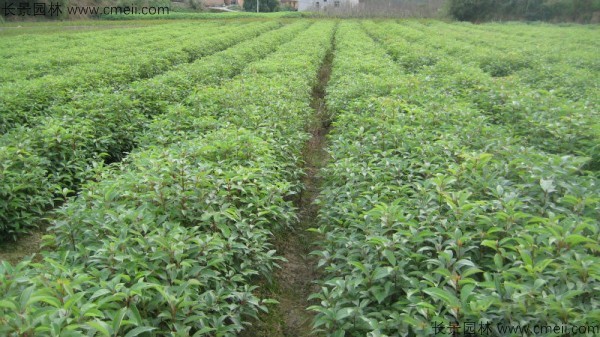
{"type": "Point", "coordinates": [292, 177]}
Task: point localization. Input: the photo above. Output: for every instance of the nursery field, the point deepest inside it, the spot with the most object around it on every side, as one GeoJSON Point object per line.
{"type": "Point", "coordinates": [294, 177]}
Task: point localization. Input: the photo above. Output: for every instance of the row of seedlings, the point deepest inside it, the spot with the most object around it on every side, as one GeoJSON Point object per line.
{"type": "Point", "coordinates": [562, 70]}
{"type": "Point", "coordinates": [88, 49]}
{"type": "Point", "coordinates": [25, 99]}
{"type": "Point", "coordinates": [575, 52]}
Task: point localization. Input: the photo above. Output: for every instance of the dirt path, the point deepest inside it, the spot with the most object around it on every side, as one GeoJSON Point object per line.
{"type": "Point", "coordinates": [294, 280]}
{"type": "Point", "coordinates": [297, 275]}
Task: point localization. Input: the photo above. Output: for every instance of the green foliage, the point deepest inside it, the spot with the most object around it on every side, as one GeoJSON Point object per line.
{"type": "Point", "coordinates": [471, 10]}
{"type": "Point", "coordinates": [25, 192]}
{"type": "Point", "coordinates": [546, 97]}
{"type": "Point", "coordinates": [68, 146]}
{"type": "Point", "coordinates": [433, 211]}
{"type": "Point", "coordinates": [40, 84]}
{"type": "Point", "coordinates": [170, 241]}
{"type": "Point", "coordinates": [461, 187]}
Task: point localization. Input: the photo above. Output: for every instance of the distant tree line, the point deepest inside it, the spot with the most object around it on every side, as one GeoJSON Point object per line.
{"type": "Point", "coordinates": [533, 10]}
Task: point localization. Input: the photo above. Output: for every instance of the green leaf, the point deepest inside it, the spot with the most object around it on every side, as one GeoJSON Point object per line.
{"type": "Point", "coordinates": [343, 313]}
{"type": "Point", "coordinates": [225, 230]}
{"type": "Point", "coordinates": [74, 299]}
{"type": "Point", "coordinates": [8, 304]}
{"type": "Point", "coordinates": [445, 296]}
{"type": "Point", "coordinates": [490, 243]}
{"type": "Point", "coordinates": [547, 185]}
{"type": "Point", "coordinates": [359, 266]}
{"type": "Point", "coordinates": [101, 327]}
{"type": "Point", "coordinates": [539, 283]}
{"type": "Point", "coordinates": [470, 271]}
{"type": "Point", "coordinates": [464, 262]}
{"type": "Point", "coordinates": [140, 329]}
{"type": "Point", "coordinates": [498, 261]}
{"type": "Point", "coordinates": [526, 257]}
{"type": "Point", "coordinates": [25, 295]}
{"type": "Point", "coordinates": [389, 255]}
{"type": "Point", "coordinates": [53, 301]}
{"type": "Point", "coordinates": [465, 292]}
{"type": "Point", "coordinates": [382, 272]}
{"type": "Point", "coordinates": [380, 293]}
{"type": "Point", "coordinates": [540, 266]}
{"type": "Point", "coordinates": [118, 319]}
{"type": "Point", "coordinates": [134, 314]}
{"type": "Point", "coordinates": [100, 292]}
{"type": "Point", "coordinates": [411, 321]}
{"type": "Point", "coordinates": [575, 239]}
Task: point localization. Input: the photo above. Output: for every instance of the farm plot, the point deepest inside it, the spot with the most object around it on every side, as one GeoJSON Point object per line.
{"type": "Point", "coordinates": [171, 241]}
{"type": "Point", "coordinates": [59, 152]}
{"type": "Point", "coordinates": [562, 118]}
{"type": "Point", "coordinates": [462, 184]}
{"type": "Point", "coordinates": [433, 213]}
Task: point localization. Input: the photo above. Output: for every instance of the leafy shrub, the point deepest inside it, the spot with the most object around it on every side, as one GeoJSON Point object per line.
{"type": "Point", "coordinates": [26, 191]}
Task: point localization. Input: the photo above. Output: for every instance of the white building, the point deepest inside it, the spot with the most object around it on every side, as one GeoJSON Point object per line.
{"type": "Point", "coordinates": [318, 5]}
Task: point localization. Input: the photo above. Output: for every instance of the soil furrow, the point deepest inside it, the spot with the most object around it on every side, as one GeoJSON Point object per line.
{"type": "Point", "coordinates": [294, 281]}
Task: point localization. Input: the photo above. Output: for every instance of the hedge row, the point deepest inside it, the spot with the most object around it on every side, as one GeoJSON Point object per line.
{"type": "Point", "coordinates": [65, 53]}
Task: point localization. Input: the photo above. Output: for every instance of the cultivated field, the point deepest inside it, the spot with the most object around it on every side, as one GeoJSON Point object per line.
{"type": "Point", "coordinates": [282, 177]}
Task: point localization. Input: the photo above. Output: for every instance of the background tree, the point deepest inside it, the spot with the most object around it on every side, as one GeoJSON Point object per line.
{"type": "Point", "coordinates": [265, 5]}
{"type": "Point", "coordinates": [471, 10]}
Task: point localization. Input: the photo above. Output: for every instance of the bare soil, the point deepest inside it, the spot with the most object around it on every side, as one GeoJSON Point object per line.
{"type": "Point", "coordinates": [26, 245]}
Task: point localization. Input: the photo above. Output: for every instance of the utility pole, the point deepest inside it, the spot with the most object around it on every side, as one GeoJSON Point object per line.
{"type": "Point", "coordinates": [257, 5]}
